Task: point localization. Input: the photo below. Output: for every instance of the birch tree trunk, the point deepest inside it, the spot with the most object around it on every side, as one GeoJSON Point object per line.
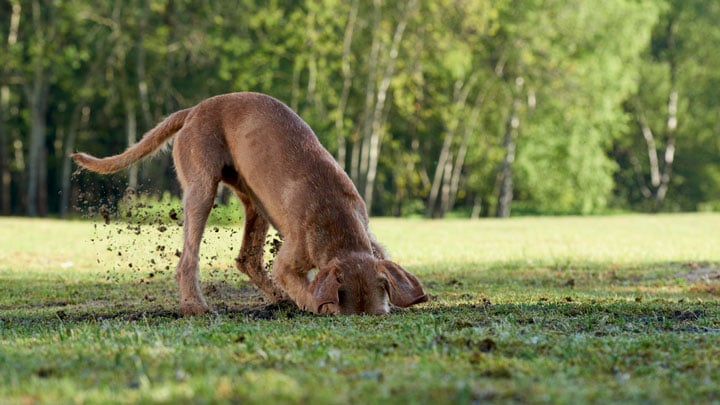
{"type": "Point", "coordinates": [347, 82]}
{"type": "Point", "coordinates": [661, 162]}
{"type": "Point", "coordinates": [672, 122]}
{"type": "Point", "coordinates": [379, 114]}
{"type": "Point", "coordinates": [471, 126]}
{"type": "Point", "coordinates": [431, 211]}
{"type": "Point", "coordinates": [361, 148]}
{"type": "Point", "coordinates": [506, 174]}
{"type": "Point", "coordinates": [444, 168]}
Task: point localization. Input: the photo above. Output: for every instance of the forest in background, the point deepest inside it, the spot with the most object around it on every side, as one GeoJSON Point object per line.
{"type": "Point", "coordinates": [433, 107]}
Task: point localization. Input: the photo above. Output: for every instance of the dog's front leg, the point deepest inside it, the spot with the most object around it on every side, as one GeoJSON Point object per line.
{"type": "Point", "coordinates": [292, 276]}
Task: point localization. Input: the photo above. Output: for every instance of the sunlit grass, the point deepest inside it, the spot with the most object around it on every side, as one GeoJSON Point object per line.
{"type": "Point", "coordinates": [561, 310]}
{"type": "Point", "coordinates": [625, 239]}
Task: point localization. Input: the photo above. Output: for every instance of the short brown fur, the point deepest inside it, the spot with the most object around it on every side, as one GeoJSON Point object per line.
{"type": "Point", "coordinates": [277, 167]}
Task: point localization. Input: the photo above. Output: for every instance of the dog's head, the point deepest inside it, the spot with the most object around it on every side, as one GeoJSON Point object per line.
{"type": "Point", "coordinates": [363, 285]}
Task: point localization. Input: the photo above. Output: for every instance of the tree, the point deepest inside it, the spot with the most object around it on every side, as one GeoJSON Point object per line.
{"type": "Point", "coordinates": [669, 111]}
{"type": "Point", "coordinates": [456, 62]}
{"type": "Point", "coordinates": [11, 61]}
{"type": "Point", "coordinates": [578, 63]}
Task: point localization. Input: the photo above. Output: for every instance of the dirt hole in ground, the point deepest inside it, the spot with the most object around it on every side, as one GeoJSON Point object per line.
{"type": "Point", "coordinates": [704, 279]}
{"type": "Point", "coordinates": [700, 273]}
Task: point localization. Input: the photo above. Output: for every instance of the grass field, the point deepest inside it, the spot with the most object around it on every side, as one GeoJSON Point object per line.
{"type": "Point", "coordinates": [529, 310]}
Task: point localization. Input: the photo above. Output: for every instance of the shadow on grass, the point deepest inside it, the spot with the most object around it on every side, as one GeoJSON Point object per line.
{"type": "Point", "coordinates": [563, 318]}
{"type": "Point", "coordinates": [131, 301]}
{"type": "Point", "coordinates": [542, 299]}
{"type": "Point", "coordinates": [598, 319]}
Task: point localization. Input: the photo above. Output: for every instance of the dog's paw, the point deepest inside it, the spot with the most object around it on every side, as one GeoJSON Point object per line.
{"type": "Point", "coordinates": [194, 308]}
{"type": "Point", "coordinates": [329, 309]}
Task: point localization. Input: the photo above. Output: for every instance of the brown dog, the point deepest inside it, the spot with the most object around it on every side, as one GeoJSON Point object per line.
{"type": "Point", "coordinates": [277, 167]}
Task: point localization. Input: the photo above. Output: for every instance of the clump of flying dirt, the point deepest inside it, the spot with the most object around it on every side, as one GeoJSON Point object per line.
{"type": "Point", "coordinates": [134, 234]}
{"type": "Point", "coordinates": [138, 242]}
{"type": "Point", "coordinates": [273, 244]}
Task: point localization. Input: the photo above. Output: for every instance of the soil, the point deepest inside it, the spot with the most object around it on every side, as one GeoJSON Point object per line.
{"type": "Point", "coordinates": [700, 273]}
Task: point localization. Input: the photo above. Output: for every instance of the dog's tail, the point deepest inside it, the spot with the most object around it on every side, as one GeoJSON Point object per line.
{"type": "Point", "coordinates": [151, 141]}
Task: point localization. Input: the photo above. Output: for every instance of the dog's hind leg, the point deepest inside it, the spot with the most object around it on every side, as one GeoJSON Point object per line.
{"type": "Point", "coordinates": [198, 200]}
{"type": "Point", "coordinates": [250, 258]}
{"type": "Point", "coordinates": [199, 177]}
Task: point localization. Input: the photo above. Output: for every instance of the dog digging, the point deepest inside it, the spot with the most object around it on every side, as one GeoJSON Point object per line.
{"type": "Point", "coordinates": [212, 146]}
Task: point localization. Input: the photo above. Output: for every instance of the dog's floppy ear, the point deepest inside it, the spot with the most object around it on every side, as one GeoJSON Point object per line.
{"type": "Point", "coordinates": [325, 289]}
{"type": "Point", "coordinates": [403, 288]}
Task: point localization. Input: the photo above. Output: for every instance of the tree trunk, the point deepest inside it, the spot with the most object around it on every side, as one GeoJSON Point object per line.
{"type": "Point", "coordinates": [42, 195]}
{"type": "Point", "coordinates": [38, 109]}
{"type": "Point", "coordinates": [661, 169]}
{"type": "Point", "coordinates": [347, 82]}
{"type": "Point", "coordinates": [363, 144]}
{"type": "Point", "coordinates": [355, 159]}
{"type": "Point", "coordinates": [506, 180]}
{"type": "Point", "coordinates": [379, 113]}
{"type": "Point", "coordinates": [131, 131]}
{"type": "Point", "coordinates": [80, 117]}
{"type": "Point", "coordinates": [672, 122]}
{"type": "Point", "coordinates": [37, 94]}
{"type": "Point", "coordinates": [431, 207]}
{"type": "Point", "coordinates": [669, 156]}
{"type": "Point", "coordinates": [477, 208]}
{"type": "Point", "coordinates": [22, 175]}
{"type": "Point", "coordinates": [506, 175]}
{"type": "Point", "coordinates": [471, 126]}
{"type": "Point", "coordinates": [5, 178]}
{"type": "Point", "coordinates": [438, 199]}
{"type": "Point", "coordinates": [140, 68]}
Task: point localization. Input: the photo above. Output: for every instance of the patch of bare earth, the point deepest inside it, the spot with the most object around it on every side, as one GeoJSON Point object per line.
{"type": "Point", "coordinates": [705, 279]}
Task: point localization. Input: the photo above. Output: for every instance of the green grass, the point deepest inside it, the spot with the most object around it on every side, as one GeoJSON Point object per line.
{"type": "Point", "coordinates": [530, 310]}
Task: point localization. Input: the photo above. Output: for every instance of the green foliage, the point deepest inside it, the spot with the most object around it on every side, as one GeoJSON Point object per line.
{"type": "Point", "coordinates": [588, 69]}
{"type": "Point", "coordinates": [680, 57]}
